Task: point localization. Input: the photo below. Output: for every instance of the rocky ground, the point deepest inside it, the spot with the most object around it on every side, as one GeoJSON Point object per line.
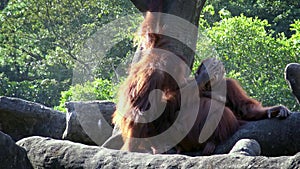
{"type": "Point", "coordinates": [34, 136]}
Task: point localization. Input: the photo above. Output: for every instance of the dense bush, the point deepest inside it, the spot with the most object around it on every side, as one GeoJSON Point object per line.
{"type": "Point", "coordinates": [280, 14]}
{"type": "Point", "coordinates": [45, 91]}
{"type": "Point", "coordinates": [42, 40]}
{"type": "Point", "coordinates": [100, 89]}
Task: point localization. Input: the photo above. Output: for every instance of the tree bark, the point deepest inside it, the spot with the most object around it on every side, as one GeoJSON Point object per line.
{"type": "Point", "coordinates": [182, 37]}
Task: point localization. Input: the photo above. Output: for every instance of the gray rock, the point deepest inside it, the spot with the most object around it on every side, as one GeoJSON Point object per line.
{"type": "Point", "coordinates": [11, 155]}
{"type": "Point", "coordinates": [248, 147]}
{"type": "Point", "coordinates": [20, 118]}
{"type": "Point", "coordinates": [292, 75]}
{"type": "Point", "coordinates": [115, 141]}
{"type": "Point", "coordinates": [89, 122]}
{"type": "Point", "coordinates": [277, 137]}
{"type": "Point", "coordinates": [50, 153]}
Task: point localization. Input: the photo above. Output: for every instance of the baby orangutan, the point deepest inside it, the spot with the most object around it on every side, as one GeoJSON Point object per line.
{"type": "Point", "coordinates": [238, 107]}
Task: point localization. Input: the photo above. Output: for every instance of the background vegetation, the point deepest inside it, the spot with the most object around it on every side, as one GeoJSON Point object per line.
{"type": "Point", "coordinates": [41, 43]}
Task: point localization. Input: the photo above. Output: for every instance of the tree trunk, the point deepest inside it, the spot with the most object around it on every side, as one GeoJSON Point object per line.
{"type": "Point", "coordinates": [182, 16]}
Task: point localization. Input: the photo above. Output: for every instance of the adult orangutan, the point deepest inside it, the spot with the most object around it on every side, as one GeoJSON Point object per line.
{"type": "Point", "coordinates": [150, 98]}
{"type": "Point", "coordinates": [158, 99]}
{"type": "Point", "coordinates": [137, 116]}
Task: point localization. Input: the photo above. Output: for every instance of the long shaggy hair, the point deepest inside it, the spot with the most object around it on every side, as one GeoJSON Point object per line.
{"type": "Point", "coordinates": [148, 86]}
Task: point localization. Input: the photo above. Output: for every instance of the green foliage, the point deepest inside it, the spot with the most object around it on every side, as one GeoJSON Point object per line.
{"type": "Point", "coordinates": [45, 91]}
{"type": "Point", "coordinates": [100, 89]}
{"type": "Point", "coordinates": [41, 42]}
{"type": "Point", "coordinates": [251, 55]}
{"type": "Point", "coordinates": [42, 39]}
{"type": "Point", "coordinates": [294, 41]}
{"type": "Point", "coordinates": [280, 14]}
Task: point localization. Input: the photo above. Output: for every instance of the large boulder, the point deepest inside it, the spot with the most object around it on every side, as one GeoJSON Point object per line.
{"type": "Point", "coordinates": [20, 118]}
{"type": "Point", "coordinates": [276, 136]}
{"type": "Point", "coordinates": [292, 75]}
{"type": "Point", "coordinates": [89, 122]}
{"type": "Point", "coordinates": [50, 153]}
{"type": "Point", "coordinates": [11, 155]}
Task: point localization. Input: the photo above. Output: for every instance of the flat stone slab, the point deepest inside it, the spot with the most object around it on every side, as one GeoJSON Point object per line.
{"type": "Point", "coordinates": [50, 153]}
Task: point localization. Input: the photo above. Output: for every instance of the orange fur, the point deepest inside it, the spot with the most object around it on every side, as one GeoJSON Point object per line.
{"type": "Point", "coordinates": [144, 77]}
{"type": "Point", "coordinates": [135, 106]}
{"type": "Point", "coordinates": [239, 108]}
